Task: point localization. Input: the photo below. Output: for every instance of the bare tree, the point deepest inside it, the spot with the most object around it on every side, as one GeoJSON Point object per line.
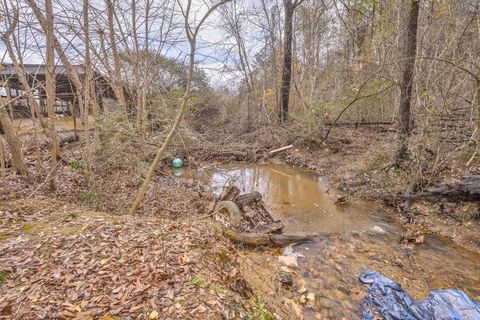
{"type": "Point", "coordinates": [12, 140]}
{"type": "Point", "coordinates": [87, 85]}
{"type": "Point", "coordinates": [234, 27]}
{"type": "Point", "coordinates": [50, 91]}
{"type": "Point", "coordinates": [3, 167]}
{"type": "Point", "coordinates": [404, 110]}
{"type": "Point", "coordinates": [289, 7]}
{"type": "Point", "coordinates": [70, 70]}
{"type": "Point", "coordinates": [118, 85]}
{"type": "Point", "coordinates": [192, 33]}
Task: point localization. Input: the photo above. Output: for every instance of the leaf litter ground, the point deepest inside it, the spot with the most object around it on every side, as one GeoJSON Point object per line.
{"type": "Point", "coordinates": [60, 261]}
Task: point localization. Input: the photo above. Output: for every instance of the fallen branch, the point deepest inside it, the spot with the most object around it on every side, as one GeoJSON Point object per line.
{"type": "Point", "coordinates": [269, 227]}
{"type": "Point", "coordinates": [259, 239]}
{"type": "Point", "coordinates": [281, 149]}
{"type": "Point", "coordinates": [357, 97]}
{"type": "Point", "coordinates": [466, 189]}
{"type": "Point", "coordinates": [360, 123]}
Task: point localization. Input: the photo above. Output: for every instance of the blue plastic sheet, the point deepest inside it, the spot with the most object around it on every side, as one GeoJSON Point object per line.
{"type": "Point", "coordinates": [388, 300]}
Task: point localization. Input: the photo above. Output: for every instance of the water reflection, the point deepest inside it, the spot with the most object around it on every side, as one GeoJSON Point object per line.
{"type": "Point", "coordinates": [300, 199]}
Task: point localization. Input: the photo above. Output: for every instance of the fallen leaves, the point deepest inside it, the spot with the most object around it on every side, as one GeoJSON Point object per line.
{"type": "Point", "coordinates": [153, 315]}
{"type": "Point", "coordinates": [100, 269]}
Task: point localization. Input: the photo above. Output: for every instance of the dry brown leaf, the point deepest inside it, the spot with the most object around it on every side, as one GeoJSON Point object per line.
{"type": "Point", "coordinates": [153, 315]}
{"type": "Point", "coordinates": [135, 308]}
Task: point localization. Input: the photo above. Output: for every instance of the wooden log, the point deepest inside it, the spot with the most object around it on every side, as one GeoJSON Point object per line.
{"type": "Point", "coordinates": [69, 138]}
{"type": "Point", "coordinates": [269, 227]}
{"type": "Point", "coordinates": [64, 139]}
{"type": "Point", "coordinates": [259, 239]}
{"type": "Point", "coordinates": [230, 193]}
{"type": "Point", "coordinates": [359, 123]}
{"type": "Point", "coordinates": [247, 198]}
{"type": "Point", "coordinates": [466, 189]}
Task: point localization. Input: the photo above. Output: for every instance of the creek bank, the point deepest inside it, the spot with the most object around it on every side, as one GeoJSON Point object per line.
{"type": "Point", "coordinates": [353, 161]}
{"type": "Point", "coordinates": [319, 278]}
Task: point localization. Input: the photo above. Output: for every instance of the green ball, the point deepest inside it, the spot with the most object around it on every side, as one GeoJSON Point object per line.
{"type": "Point", "coordinates": [177, 163]}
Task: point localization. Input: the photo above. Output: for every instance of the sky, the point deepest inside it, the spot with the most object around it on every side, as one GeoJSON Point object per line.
{"type": "Point", "coordinates": [211, 48]}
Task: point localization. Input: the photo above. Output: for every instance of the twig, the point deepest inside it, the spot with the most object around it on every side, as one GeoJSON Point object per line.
{"type": "Point", "coordinates": [281, 149]}
{"type": "Point", "coordinates": [357, 97]}
{"type": "Point", "coordinates": [44, 181]}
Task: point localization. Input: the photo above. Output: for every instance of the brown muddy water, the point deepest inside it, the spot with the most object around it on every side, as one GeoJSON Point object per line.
{"type": "Point", "coordinates": [351, 237]}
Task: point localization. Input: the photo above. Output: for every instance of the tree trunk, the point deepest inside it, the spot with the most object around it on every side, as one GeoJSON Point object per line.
{"type": "Point", "coordinates": [87, 89]}
{"type": "Point", "coordinates": [13, 142]}
{"type": "Point", "coordinates": [465, 189]}
{"type": "Point", "coordinates": [50, 91]}
{"type": "Point", "coordinates": [3, 167]}
{"type": "Point", "coordinates": [287, 60]}
{"type": "Point", "coordinates": [404, 110]}
{"type": "Point", "coordinates": [259, 239]}
{"type": "Point", "coordinates": [477, 123]}
{"type": "Point", "coordinates": [248, 198]}
{"type": "Point", "coordinates": [117, 65]}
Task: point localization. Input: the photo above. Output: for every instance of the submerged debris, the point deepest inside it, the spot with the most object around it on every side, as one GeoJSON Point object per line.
{"type": "Point", "coordinates": [248, 221]}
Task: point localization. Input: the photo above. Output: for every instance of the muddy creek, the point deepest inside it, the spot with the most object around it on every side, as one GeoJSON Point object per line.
{"type": "Point", "coordinates": [351, 237]}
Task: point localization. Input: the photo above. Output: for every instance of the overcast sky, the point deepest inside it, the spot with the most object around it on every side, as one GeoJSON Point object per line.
{"type": "Point", "coordinates": [212, 41]}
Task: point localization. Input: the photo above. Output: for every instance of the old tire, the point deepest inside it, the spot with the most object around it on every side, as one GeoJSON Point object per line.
{"type": "Point", "coordinates": [230, 210]}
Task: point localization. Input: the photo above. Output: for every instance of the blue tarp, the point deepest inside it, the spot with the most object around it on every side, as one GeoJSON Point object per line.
{"type": "Point", "coordinates": [388, 299]}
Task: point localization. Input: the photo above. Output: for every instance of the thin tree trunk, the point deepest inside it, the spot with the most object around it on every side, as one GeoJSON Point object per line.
{"type": "Point", "coordinates": [38, 156]}
{"type": "Point", "coordinates": [50, 91]}
{"type": "Point", "coordinates": [9, 97]}
{"type": "Point", "coordinates": [477, 123]}
{"type": "Point", "coordinates": [3, 166]}
{"type": "Point", "coordinates": [137, 72]}
{"type": "Point", "coordinates": [117, 65]}
{"type": "Point", "coordinates": [87, 89]}
{"type": "Point", "coordinates": [13, 142]}
{"type": "Point", "coordinates": [404, 110]}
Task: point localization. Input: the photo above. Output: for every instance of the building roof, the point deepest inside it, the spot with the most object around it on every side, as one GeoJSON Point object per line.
{"type": "Point", "coordinates": [64, 87]}
{"type": "Point", "coordinates": [7, 69]}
